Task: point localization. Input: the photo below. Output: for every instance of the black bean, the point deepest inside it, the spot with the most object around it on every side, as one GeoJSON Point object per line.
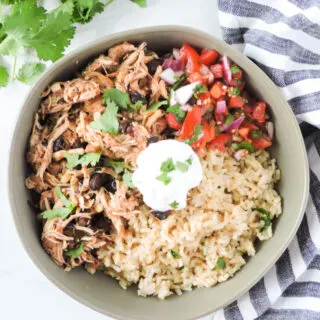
{"type": "Point", "coordinates": [69, 230]}
{"type": "Point", "coordinates": [161, 215]}
{"type": "Point", "coordinates": [192, 101]}
{"type": "Point", "coordinates": [153, 65]}
{"type": "Point", "coordinates": [136, 96]}
{"type": "Point", "coordinates": [99, 221]}
{"type": "Point", "coordinates": [153, 140]}
{"type": "Point", "coordinates": [59, 144]}
{"type": "Point", "coordinates": [98, 180]}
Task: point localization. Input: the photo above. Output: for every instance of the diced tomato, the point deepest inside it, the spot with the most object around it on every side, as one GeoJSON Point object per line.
{"type": "Point", "coordinates": [191, 56]}
{"type": "Point", "coordinates": [237, 75]}
{"type": "Point", "coordinates": [218, 90]}
{"type": "Point", "coordinates": [248, 124]}
{"type": "Point", "coordinates": [208, 134]}
{"type": "Point", "coordinates": [244, 132]}
{"type": "Point", "coordinates": [172, 121]}
{"type": "Point", "coordinates": [236, 102]}
{"type": "Point", "coordinates": [192, 119]}
{"type": "Point", "coordinates": [220, 142]}
{"type": "Point", "coordinates": [261, 143]}
{"type": "Point", "coordinates": [205, 101]}
{"type": "Point", "coordinates": [208, 56]}
{"type": "Point", "coordinates": [259, 112]}
{"type": "Point", "coordinates": [197, 77]}
{"type": "Point", "coordinates": [217, 70]}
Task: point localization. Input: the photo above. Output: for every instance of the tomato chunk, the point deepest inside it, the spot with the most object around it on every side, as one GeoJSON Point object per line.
{"type": "Point", "coordinates": [208, 134]}
{"type": "Point", "coordinates": [236, 102]}
{"type": "Point", "coordinates": [218, 90]}
{"type": "Point", "coordinates": [220, 142]}
{"type": "Point", "coordinates": [191, 56]}
{"type": "Point", "coordinates": [259, 112]}
{"type": "Point", "coordinates": [197, 77]}
{"type": "Point", "coordinates": [172, 121]}
{"type": "Point", "coordinates": [261, 143]}
{"type": "Point", "coordinates": [192, 119]}
{"type": "Point", "coordinates": [217, 71]}
{"type": "Point", "coordinates": [208, 56]}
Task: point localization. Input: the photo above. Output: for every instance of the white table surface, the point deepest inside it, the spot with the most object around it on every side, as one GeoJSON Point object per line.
{"type": "Point", "coordinates": [24, 292]}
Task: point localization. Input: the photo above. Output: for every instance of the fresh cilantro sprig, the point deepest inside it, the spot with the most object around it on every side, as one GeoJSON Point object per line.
{"type": "Point", "coordinates": [74, 159]}
{"type": "Point", "coordinates": [243, 145]}
{"type": "Point", "coordinates": [63, 212]}
{"type": "Point", "coordinates": [265, 216]}
{"type": "Point", "coordinates": [75, 253]}
{"type": "Point", "coordinates": [174, 205]}
{"type": "Point", "coordinates": [140, 3]}
{"type": "Point", "coordinates": [177, 111]}
{"type": "Point", "coordinates": [199, 88]}
{"type": "Point", "coordinates": [220, 264]}
{"type": "Point", "coordinates": [175, 254]}
{"type": "Point", "coordinates": [197, 132]}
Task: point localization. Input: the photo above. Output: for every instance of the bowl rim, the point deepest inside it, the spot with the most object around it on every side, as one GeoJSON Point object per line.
{"type": "Point", "coordinates": [152, 29]}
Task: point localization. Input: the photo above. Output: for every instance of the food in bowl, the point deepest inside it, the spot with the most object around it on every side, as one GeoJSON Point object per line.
{"type": "Point", "coordinates": [154, 169]}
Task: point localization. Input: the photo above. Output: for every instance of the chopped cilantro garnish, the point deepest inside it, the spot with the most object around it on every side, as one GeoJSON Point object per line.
{"type": "Point", "coordinates": [108, 121]}
{"type": "Point", "coordinates": [167, 166]}
{"type": "Point", "coordinates": [235, 69]}
{"type": "Point", "coordinates": [181, 166]}
{"type": "Point", "coordinates": [75, 253]}
{"type": "Point", "coordinates": [179, 82]}
{"type": "Point", "coordinates": [174, 205]}
{"type": "Point", "coordinates": [199, 88]}
{"type": "Point", "coordinates": [140, 3]}
{"type": "Point", "coordinates": [256, 133]}
{"type": "Point", "coordinates": [239, 81]}
{"type": "Point", "coordinates": [265, 216]}
{"type": "Point", "coordinates": [73, 159]}
{"type": "Point", "coordinates": [189, 161]}
{"type": "Point", "coordinates": [117, 165]}
{"type": "Point", "coordinates": [234, 91]}
{"type": "Point", "coordinates": [221, 264]}
{"type": "Point", "coordinates": [62, 213]}
{"type": "Point", "coordinates": [197, 132]}
{"type": "Point", "coordinates": [177, 111]}
{"type": "Point", "coordinates": [245, 100]}
{"type": "Point", "coordinates": [157, 105]}
{"type": "Point", "coordinates": [120, 98]}
{"type": "Point", "coordinates": [243, 145]}
{"type": "Point", "coordinates": [229, 119]}
{"type": "Point", "coordinates": [127, 179]}
{"type": "Point", "coordinates": [175, 254]}
{"type": "Point", "coordinates": [163, 177]}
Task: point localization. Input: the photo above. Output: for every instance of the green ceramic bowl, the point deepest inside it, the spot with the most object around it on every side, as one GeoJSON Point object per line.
{"type": "Point", "coordinates": [103, 293]}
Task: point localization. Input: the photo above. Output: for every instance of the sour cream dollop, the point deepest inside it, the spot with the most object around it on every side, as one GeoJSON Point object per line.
{"type": "Point", "coordinates": [166, 171]}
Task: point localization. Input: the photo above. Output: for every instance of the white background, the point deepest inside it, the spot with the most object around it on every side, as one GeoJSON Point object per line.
{"type": "Point", "coordinates": [24, 292]}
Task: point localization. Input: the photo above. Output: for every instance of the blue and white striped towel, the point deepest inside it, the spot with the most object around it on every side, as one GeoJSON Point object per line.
{"type": "Point", "coordinates": [283, 38]}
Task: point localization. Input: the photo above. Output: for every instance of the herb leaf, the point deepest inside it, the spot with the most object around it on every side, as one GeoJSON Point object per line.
{"type": "Point", "coordinates": [163, 177]}
{"type": "Point", "coordinates": [265, 215]}
{"type": "Point", "coordinates": [179, 82]}
{"type": "Point", "coordinates": [127, 179]}
{"type": "Point", "coordinates": [229, 119]}
{"type": "Point", "coordinates": [140, 3]}
{"type": "Point", "coordinates": [84, 10]}
{"type": "Point", "coordinates": [118, 165]}
{"type": "Point", "coordinates": [235, 69]}
{"type": "Point", "coordinates": [177, 111]}
{"type": "Point", "coordinates": [75, 253]}
{"type": "Point", "coordinates": [181, 166]}
{"type": "Point", "coordinates": [61, 196]}
{"type": "Point", "coordinates": [119, 97]}
{"type": "Point", "coordinates": [167, 166]}
{"type": "Point", "coordinates": [189, 161]}
{"type": "Point", "coordinates": [197, 132]}
{"type": "Point", "coordinates": [234, 91]}
{"type": "Point", "coordinates": [175, 254]}
{"type": "Point", "coordinates": [199, 88]}
{"type": "Point", "coordinates": [73, 159]}
{"type": "Point", "coordinates": [174, 205]}
{"type": "Point", "coordinates": [256, 133]}
{"type": "Point", "coordinates": [108, 122]}
{"type": "Point", "coordinates": [30, 71]}
{"type": "Point", "coordinates": [4, 76]}
{"type": "Point", "coordinates": [243, 145]}
{"type": "Point", "coordinates": [221, 264]}
{"type": "Point", "coordinates": [157, 105]}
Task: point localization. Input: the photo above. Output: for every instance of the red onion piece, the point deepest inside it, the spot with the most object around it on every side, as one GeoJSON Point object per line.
{"type": "Point", "coordinates": [233, 125]}
{"type": "Point", "coordinates": [226, 68]}
{"type": "Point", "coordinates": [205, 71]}
{"type": "Point", "coordinates": [168, 76]}
{"type": "Point", "coordinates": [176, 53]}
{"type": "Point", "coordinates": [270, 129]}
{"type": "Point", "coordinates": [221, 107]}
{"type": "Point", "coordinates": [240, 154]}
{"type": "Point", "coordinates": [175, 65]}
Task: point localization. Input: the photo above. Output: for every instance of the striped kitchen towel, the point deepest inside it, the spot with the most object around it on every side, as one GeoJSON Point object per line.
{"type": "Point", "coordinates": [283, 38]}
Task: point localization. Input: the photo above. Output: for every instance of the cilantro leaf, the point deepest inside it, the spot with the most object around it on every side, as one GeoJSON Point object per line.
{"type": "Point", "coordinates": [234, 91]}
{"type": "Point", "coordinates": [221, 264]}
{"type": "Point", "coordinates": [127, 179]}
{"type": "Point", "coordinates": [175, 254]}
{"type": "Point", "coordinates": [4, 76]}
{"type": "Point", "coordinates": [167, 166]}
{"type": "Point", "coordinates": [243, 145]}
{"type": "Point", "coordinates": [256, 133]}
{"type": "Point", "coordinates": [117, 165]}
{"type": "Point", "coordinates": [157, 105]}
{"type": "Point", "coordinates": [174, 205]}
{"type": "Point", "coordinates": [179, 82]}
{"type": "Point", "coordinates": [64, 212]}
{"type": "Point", "coordinates": [140, 3]}
{"type": "Point", "coordinates": [265, 215]}
{"type": "Point", "coordinates": [108, 122]}
{"type": "Point", "coordinates": [163, 177]}
{"type": "Point", "coordinates": [199, 88]}
{"type": "Point", "coordinates": [53, 37]}
{"type": "Point", "coordinates": [85, 10]}
{"type": "Point", "coordinates": [235, 69]}
{"type": "Point", "coordinates": [189, 161]}
{"type": "Point", "coordinates": [181, 166]}
{"type": "Point", "coordinates": [75, 252]}
{"type": "Point", "coordinates": [177, 111]}
{"type": "Point", "coordinates": [66, 6]}
{"type": "Point", "coordinates": [30, 71]}
{"type": "Point", "coordinates": [197, 132]}
{"type": "Point", "coordinates": [229, 119]}
{"type": "Point", "coordinates": [73, 159]}
{"type": "Point", "coordinates": [119, 97]}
